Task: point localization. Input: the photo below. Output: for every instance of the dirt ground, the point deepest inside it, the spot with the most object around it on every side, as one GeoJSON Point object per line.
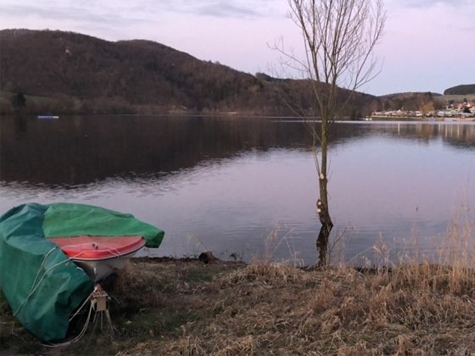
{"type": "Point", "coordinates": [187, 307]}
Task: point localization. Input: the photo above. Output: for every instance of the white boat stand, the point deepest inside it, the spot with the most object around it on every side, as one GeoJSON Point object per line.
{"type": "Point", "coordinates": [100, 303]}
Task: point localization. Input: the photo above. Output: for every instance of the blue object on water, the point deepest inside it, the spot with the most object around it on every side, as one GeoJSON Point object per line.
{"type": "Point", "coordinates": [48, 117]}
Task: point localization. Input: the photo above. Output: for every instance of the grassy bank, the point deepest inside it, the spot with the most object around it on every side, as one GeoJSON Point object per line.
{"type": "Point", "coordinates": [184, 307]}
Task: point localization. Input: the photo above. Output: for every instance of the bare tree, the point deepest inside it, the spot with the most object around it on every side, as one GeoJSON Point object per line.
{"type": "Point", "coordinates": [339, 38]}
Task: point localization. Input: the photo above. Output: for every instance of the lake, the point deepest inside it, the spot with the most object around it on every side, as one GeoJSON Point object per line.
{"type": "Point", "coordinates": [246, 187]}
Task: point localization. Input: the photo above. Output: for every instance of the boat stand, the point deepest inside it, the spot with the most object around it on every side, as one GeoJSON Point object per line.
{"type": "Point", "coordinates": [100, 304]}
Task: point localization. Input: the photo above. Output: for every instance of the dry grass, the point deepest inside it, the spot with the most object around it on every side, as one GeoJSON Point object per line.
{"type": "Point", "coordinates": [281, 310]}
{"type": "Point", "coordinates": [414, 307]}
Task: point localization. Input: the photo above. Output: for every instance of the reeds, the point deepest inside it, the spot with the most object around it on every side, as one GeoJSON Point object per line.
{"type": "Point", "coordinates": [414, 306]}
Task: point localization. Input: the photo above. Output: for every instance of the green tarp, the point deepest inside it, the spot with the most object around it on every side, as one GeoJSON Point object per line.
{"type": "Point", "coordinates": [39, 282]}
{"type": "Point", "coordinates": [65, 219]}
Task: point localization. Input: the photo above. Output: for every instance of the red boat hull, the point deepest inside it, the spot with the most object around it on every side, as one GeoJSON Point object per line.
{"type": "Point", "coordinates": [100, 256]}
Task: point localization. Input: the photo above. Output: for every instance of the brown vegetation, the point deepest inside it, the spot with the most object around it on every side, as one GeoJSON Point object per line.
{"type": "Point", "coordinates": [461, 90]}
{"type": "Point", "coordinates": [410, 101]}
{"type": "Point", "coordinates": [63, 72]}
{"type": "Point", "coordinates": [185, 307]}
{"type": "Point", "coordinates": [69, 73]}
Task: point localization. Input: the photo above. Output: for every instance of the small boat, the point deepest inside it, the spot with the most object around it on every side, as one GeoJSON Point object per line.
{"type": "Point", "coordinates": [52, 255]}
{"type": "Point", "coordinates": [100, 256]}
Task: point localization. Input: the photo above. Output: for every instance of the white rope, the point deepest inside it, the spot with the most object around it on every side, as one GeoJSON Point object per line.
{"type": "Point", "coordinates": [92, 306]}
{"type": "Point", "coordinates": [81, 334]}
{"type": "Point", "coordinates": [42, 263]}
{"type": "Point", "coordinates": [82, 306]}
{"type": "Point", "coordinates": [37, 282]}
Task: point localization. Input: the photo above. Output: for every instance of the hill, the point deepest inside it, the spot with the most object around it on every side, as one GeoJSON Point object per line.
{"type": "Point", "coordinates": [461, 90]}
{"type": "Point", "coordinates": [412, 101]}
{"type": "Point", "coordinates": [69, 73]}
{"type": "Point", "coordinates": [65, 72]}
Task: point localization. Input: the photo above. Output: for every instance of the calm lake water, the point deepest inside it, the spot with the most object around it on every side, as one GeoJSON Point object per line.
{"type": "Point", "coordinates": [230, 184]}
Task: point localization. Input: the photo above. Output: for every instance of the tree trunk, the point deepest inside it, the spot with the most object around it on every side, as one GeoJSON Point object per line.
{"type": "Point", "coordinates": [327, 225]}
{"type": "Point", "coordinates": [322, 203]}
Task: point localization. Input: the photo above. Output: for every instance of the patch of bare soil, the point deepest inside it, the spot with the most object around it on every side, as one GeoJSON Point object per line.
{"type": "Point", "coordinates": [186, 307]}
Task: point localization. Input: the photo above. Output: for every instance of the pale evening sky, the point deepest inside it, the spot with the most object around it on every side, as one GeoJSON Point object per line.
{"type": "Point", "coordinates": [428, 45]}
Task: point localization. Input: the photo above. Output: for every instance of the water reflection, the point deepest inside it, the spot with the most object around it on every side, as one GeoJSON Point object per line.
{"type": "Point", "coordinates": [74, 151]}
{"type": "Point", "coordinates": [226, 183]}
{"type": "Point", "coordinates": [81, 150]}
{"type": "Point", "coordinates": [460, 134]}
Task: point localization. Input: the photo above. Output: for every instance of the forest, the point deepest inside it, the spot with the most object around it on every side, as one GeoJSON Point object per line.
{"type": "Point", "coordinates": [57, 72]}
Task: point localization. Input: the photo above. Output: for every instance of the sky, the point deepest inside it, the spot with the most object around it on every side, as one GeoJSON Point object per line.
{"type": "Point", "coordinates": [428, 45]}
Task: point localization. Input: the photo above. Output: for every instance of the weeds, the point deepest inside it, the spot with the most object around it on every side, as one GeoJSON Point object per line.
{"type": "Point", "coordinates": [279, 237]}
{"type": "Point", "coordinates": [415, 306]}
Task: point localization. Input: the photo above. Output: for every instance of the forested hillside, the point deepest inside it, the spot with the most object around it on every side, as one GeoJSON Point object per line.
{"type": "Point", "coordinates": [461, 90]}
{"type": "Point", "coordinates": [412, 101]}
{"type": "Point", "coordinates": [60, 72]}
{"type": "Point", "coordinates": [64, 72]}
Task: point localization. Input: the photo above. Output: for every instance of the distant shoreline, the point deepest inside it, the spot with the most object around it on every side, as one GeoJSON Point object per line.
{"type": "Point", "coordinates": [419, 119]}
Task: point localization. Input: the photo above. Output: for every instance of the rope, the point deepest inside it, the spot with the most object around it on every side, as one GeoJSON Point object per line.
{"type": "Point", "coordinates": [114, 251]}
{"type": "Point", "coordinates": [37, 282]}
{"type": "Point", "coordinates": [93, 305]}
{"type": "Point", "coordinates": [83, 330]}
{"type": "Point", "coordinates": [35, 287]}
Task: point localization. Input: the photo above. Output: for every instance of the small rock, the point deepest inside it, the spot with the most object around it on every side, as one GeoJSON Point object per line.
{"type": "Point", "coordinates": [207, 257]}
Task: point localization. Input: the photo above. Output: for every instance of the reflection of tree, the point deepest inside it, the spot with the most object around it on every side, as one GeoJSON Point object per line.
{"type": "Point", "coordinates": [21, 122]}
{"type": "Point", "coordinates": [18, 101]}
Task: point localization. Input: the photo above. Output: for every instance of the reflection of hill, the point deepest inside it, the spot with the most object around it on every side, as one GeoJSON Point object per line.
{"type": "Point", "coordinates": [81, 150]}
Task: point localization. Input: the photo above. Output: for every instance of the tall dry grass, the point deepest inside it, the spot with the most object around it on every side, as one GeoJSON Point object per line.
{"type": "Point", "coordinates": [413, 306]}
{"type": "Point", "coordinates": [417, 304]}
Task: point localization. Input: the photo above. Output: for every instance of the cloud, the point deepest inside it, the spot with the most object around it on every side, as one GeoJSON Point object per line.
{"type": "Point", "coordinates": [120, 13]}
{"type": "Point", "coordinates": [222, 8]}
{"type": "Point", "coordinates": [225, 9]}
{"type": "Point", "coordinates": [82, 17]}
{"type": "Point", "coordinates": [62, 13]}
{"type": "Point", "coordinates": [432, 3]}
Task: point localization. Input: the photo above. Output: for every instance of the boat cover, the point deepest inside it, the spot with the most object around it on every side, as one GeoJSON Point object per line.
{"type": "Point", "coordinates": [40, 283]}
